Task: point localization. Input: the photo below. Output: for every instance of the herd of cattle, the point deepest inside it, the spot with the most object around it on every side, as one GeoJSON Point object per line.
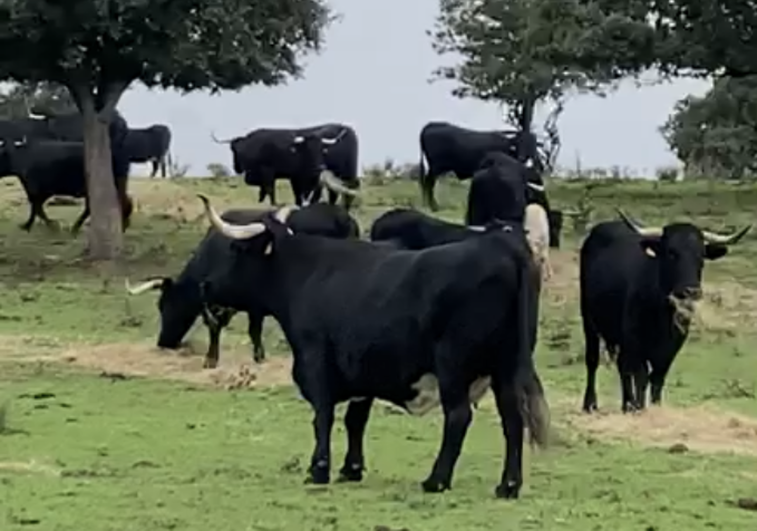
{"type": "Point", "coordinates": [425, 313]}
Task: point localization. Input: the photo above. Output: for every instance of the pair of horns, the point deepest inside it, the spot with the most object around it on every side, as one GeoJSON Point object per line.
{"type": "Point", "coordinates": [709, 237]}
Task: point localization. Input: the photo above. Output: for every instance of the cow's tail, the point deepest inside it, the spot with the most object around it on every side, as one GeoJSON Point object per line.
{"type": "Point", "coordinates": [528, 387]}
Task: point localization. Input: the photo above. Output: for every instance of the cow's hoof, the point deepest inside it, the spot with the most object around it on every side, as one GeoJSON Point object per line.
{"type": "Point", "coordinates": [351, 473]}
{"type": "Point", "coordinates": [318, 476]}
{"type": "Point", "coordinates": [210, 363]}
{"type": "Point", "coordinates": [258, 357]}
{"type": "Point", "coordinates": [590, 408]}
{"type": "Point", "coordinates": [507, 491]}
{"type": "Point", "coordinates": [433, 485]}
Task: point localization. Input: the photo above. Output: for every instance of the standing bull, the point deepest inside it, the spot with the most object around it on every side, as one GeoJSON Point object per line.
{"type": "Point", "coordinates": [638, 290]}
{"type": "Point", "coordinates": [372, 322]}
{"type": "Point", "coordinates": [302, 156]}
{"type": "Point", "coordinates": [451, 148]}
{"type": "Point", "coordinates": [202, 288]}
{"type": "Point", "coordinates": [151, 144]}
{"type": "Point", "coordinates": [51, 167]}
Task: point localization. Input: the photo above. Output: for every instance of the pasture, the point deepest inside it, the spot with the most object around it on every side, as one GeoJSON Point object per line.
{"type": "Point", "coordinates": [100, 431]}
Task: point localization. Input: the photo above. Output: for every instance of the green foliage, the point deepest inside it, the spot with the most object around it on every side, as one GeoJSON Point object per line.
{"type": "Point", "coordinates": [538, 49]}
{"type": "Point", "coordinates": [716, 134]}
{"type": "Point", "coordinates": [218, 170]}
{"type": "Point", "coordinates": [189, 44]}
{"type": "Point", "coordinates": [41, 98]}
{"type": "Point", "coordinates": [707, 36]}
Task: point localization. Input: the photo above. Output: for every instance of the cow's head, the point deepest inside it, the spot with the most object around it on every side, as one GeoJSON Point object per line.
{"type": "Point", "coordinates": [680, 250]}
{"type": "Point", "coordinates": [311, 150]}
{"type": "Point", "coordinates": [179, 304]}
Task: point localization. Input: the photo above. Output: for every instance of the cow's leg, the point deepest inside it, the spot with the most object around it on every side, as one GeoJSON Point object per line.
{"type": "Point", "coordinates": [154, 163]}
{"type": "Point", "coordinates": [255, 331]}
{"type": "Point", "coordinates": [33, 212]}
{"type": "Point", "coordinates": [657, 378]}
{"type": "Point", "coordinates": [81, 219]}
{"type": "Point", "coordinates": [216, 319]}
{"type": "Point", "coordinates": [512, 428]}
{"type": "Point", "coordinates": [355, 421]}
{"type": "Point", "coordinates": [453, 392]}
{"type": "Point", "coordinates": [626, 370]}
{"type": "Point", "coordinates": [333, 197]}
{"type": "Point", "coordinates": [312, 377]}
{"type": "Point", "coordinates": [591, 359]}
{"type": "Point", "coordinates": [641, 380]}
{"type": "Point", "coordinates": [429, 183]}
{"type": "Point", "coordinates": [262, 193]}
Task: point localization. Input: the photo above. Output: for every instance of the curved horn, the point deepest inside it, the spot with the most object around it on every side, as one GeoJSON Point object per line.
{"type": "Point", "coordinates": [641, 231]}
{"type": "Point", "coordinates": [729, 239]}
{"type": "Point", "coordinates": [332, 141]}
{"type": "Point", "coordinates": [218, 141]}
{"type": "Point", "coordinates": [336, 185]}
{"type": "Point", "coordinates": [537, 187]}
{"type": "Point", "coordinates": [476, 228]}
{"type": "Point", "coordinates": [235, 232]}
{"type": "Point", "coordinates": [148, 285]}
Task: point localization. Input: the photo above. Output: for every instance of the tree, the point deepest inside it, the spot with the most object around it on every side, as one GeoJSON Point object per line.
{"type": "Point", "coordinates": [716, 134]}
{"type": "Point", "coordinates": [705, 37]}
{"type": "Point", "coordinates": [98, 48]}
{"type": "Point", "coordinates": [19, 99]}
{"type": "Point", "coordinates": [522, 52]}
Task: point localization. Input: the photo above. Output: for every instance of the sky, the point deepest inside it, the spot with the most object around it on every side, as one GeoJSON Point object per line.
{"type": "Point", "coordinates": [373, 74]}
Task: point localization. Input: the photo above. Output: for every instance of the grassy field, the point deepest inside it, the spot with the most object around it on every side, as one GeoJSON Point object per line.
{"type": "Point", "coordinates": [100, 431]}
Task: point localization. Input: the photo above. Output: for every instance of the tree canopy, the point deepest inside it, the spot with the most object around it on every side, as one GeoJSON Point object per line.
{"type": "Point", "coordinates": [521, 52]}
{"type": "Point", "coordinates": [716, 134]}
{"type": "Point", "coordinates": [97, 48]}
{"type": "Point", "coordinates": [20, 98]}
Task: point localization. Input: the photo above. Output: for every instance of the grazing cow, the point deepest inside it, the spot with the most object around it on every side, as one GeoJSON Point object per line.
{"type": "Point", "coordinates": [48, 168]}
{"type": "Point", "coordinates": [300, 155]}
{"type": "Point", "coordinates": [150, 144]}
{"type": "Point", "coordinates": [366, 321]}
{"type": "Point", "coordinates": [451, 148]}
{"type": "Point", "coordinates": [638, 290]}
{"type": "Point", "coordinates": [202, 287]}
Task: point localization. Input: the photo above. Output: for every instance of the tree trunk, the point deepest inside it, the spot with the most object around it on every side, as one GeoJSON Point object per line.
{"type": "Point", "coordinates": [105, 238]}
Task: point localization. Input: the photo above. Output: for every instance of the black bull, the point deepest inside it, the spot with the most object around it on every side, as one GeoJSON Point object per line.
{"type": "Point", "coordinates": [366, 321]}
{"type": "Point", "coordinates": [150, 144]}
{"type": "Point", "coordinates": [638, 290]}
{"type": "Point", "coordinates": [451, 148]}
{"type": "Point", "coordinates": [48, 168]}
{"type": "Point", "coordinates": [203, 289]}
{"type": "Point", "coordinates": [300, 155]}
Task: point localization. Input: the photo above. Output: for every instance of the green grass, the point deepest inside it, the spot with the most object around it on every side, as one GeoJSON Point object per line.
{"type": "Point", "coordinates": [81, 450]}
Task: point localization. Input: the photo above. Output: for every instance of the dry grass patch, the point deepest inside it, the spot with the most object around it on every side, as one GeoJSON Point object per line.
{"type": "Point", "coordinates": [29, 467]}
{"type": "Point", "coordinates": [700, 428]}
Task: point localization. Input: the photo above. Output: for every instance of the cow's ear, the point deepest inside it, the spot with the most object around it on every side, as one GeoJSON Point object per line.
{"type": "Point", "coordinates": [651, 246]}
{"type": "Point", "coordinates": [713, 251]}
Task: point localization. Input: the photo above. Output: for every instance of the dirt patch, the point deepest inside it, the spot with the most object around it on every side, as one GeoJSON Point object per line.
{"type": "Point", "coordinates": [236, 370]}
{"type": "Point", "coordinates": [700, 428]}
{"type": "Point", "coordinates": [30, 467]}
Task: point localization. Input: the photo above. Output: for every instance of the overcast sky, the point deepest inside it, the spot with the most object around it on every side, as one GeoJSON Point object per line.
{"type": "Point", "coordinates": [373, 75]}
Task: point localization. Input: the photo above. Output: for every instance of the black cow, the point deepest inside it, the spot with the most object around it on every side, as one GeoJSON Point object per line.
{"type": "Point", "coordinates": [202, 289]}
{"type": "Point", "coordinates": [300, 155]}
{"type": "Point", "coordinates": [150, 144]}
{"type": "Point", "coordinates": [451, 148]}
{"type": "Point", "coordinates": [48, 168]}
{"type": "Point", "coordinates": [638, 289]}
{"type": "Point", "coordinates": [366, 321]}
{"type": "Point", "coordinates": [410, 229]}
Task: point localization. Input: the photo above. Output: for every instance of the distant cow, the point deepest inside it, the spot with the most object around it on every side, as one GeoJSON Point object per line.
{"type": "Point", "coordinates": [451, 148]}
{"type": "Point", "coordinates": [638, 289]}
{"type": "Point", "coordinates": [151, 144]}
{"type": "Point", "coordinates": [203, 287]}
{"type": "Point", "coordinates": [414, 328]}
{"type": "Point", "coordinates": [302, 156]}
{"type": "Point", "coordinates": [48, 168]}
